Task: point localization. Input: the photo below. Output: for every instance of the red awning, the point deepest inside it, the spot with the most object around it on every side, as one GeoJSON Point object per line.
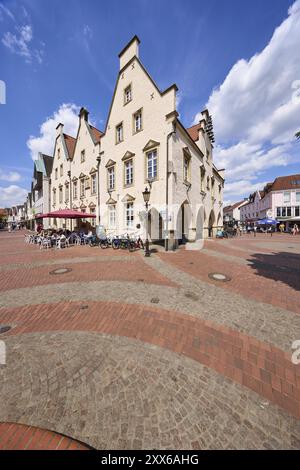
{"type": "Point", "coordinates": [67, 214]}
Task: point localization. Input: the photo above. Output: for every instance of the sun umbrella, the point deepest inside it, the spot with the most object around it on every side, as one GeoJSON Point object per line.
{"type": "Point", "coordinates": [267, 221]}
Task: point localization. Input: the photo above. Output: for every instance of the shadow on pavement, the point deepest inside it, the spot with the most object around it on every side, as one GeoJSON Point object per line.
{"type": "Point", "coordinates": [281, 266]}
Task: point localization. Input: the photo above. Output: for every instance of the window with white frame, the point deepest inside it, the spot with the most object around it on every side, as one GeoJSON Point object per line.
{"type": "Point", "coordinates": [93, 220]}
{"type": "Point", "coordinates": [112, 216]}
{"type": "Point", "coordinates": [119, 133]}
{"type": "Point", "coordinates": [111, 177]}
{"type": "Point", "coordinates": [60, 194]}
{"type": "Point", "coordinates": [75, 190]}
{"type": "Point", "coordinates": [286, 196]}
{"type": "Point", "coordinates": [93, 183]}
{"type": "Point", "coordinates": [82, 156]}
{"type": "Point", "coordinates": [127, 94]}
{"type": "Point", "coordinates": [137, 121]}
{"type": "Point", "coordinates": [82, 187]}
{"type": "Point", "coordinates": [128, 172]}
{"type": "Point", "coordinates": [129, 215]}
{"type": "Point", "coordinates": [297, 196]}
{"type": "Point", "coordinates": [297, 211]}
{"type": "Point", "coordinates": [67, 192]}
{"type": "Point", "coordinates": [186, 168]}
{"type": "Point", "coordinates": [152, 164]}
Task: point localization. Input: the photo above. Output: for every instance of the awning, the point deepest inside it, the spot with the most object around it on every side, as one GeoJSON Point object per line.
{"type": "Point", "coordinates": [66, 214]}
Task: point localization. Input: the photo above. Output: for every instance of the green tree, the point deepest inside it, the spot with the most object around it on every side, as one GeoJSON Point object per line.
{"type": "Point", "coordinates": [297, 135]}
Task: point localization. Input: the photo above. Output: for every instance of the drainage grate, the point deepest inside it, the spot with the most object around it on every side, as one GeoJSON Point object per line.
{"type": "Point", "coordinates": [4, 328]}
{"type": "Point", "coordinates": [61, 271]}
{"type": "Point", "coordinates": [154, 300]}
{"type": "Point", "coordinates": [219, 277]}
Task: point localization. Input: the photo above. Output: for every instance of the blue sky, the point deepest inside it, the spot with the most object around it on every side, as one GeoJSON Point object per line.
{"type": "Point", "coordinates": [222, 53]}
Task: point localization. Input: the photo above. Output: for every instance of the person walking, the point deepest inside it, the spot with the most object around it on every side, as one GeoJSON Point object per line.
{"type": "Point", "coordinates": [281, 227]}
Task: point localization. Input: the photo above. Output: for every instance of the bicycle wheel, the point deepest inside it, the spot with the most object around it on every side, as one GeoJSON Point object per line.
{"type": "Point", "coordinates": [116, 244]}
{"type": "Point", "coordinates": [103, 244]}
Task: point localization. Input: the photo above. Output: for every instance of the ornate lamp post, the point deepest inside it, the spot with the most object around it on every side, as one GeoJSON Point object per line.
{"type": "Point", "coordinates": [146, 196]}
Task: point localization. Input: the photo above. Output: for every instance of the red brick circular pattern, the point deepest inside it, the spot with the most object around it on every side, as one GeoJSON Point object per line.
{"type": "Point", "coordinates": [261, 367]}
{"type": "Point", "coordinates": [14, 436]}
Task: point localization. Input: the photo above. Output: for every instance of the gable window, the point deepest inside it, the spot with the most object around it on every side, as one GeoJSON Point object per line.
{"type": "Point", "coordinates": [119, 133]}
{"type": "Point", "coordinates": [137, 121]}
{"type": "Point", "coordinates": [58, 154]}
{"type": "Point", "coordinates": [61, 170]}
{"type": "Point", "coordinates": [202, 176]}
{"type": "Point", "coordinates": [93, 184]}
{"type": "Point", "coordinates": [127, 94]}
{"type": "Point", "coordinates": [186, 168]}
{"type": "Point", "coordinates": [82, 156]}
{"type": "Point", "coordinates": [112, 216]}
{"type": "Point", "coordinates": [111, 178]}
{"type": "Point", "coordinates": [286, 196]}
{"type": "Point", "coordinates": [129, 215]}
{"type": "Point", "coordinates": [93, 220]}
{"type": "Point", "coordinates": [67, 192]}
{"type": "Point", "coordinates": [128, 172]}
{"type": "Point", "coordinates": [60, 194]}
{"type": "Point", "coordinates": [82, 187]}
{"type": "Point", "coordinates": [207, 183]}
{"type": "Point", "coordinates": [152, 164]}
{"type": "Point", "coordinates": [75, 190]}
{"type": "Point", "coordinates": [56, 173]}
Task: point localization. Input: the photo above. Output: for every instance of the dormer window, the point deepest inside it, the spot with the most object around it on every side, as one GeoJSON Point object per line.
{"type": "Point", "coordinates": [127, 95]}
{"type": "Point", "coordinates": [119, 133]}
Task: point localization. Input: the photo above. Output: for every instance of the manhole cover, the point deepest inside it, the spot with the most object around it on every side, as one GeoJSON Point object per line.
{"type": "Point", "coordinates": [60, 271]}
{"type": "Point", "coordinates": [155, 300]}
{"type": "Point", "coordinates": [219, 277]}
{"type": "Point", "coordinates": [4, 328]}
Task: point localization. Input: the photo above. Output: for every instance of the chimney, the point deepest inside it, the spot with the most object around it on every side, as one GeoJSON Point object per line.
{"type": "Point", "coordinates": [129, 51]}
{"type": "Point", "coordinates": [83, 114]}
{"type": "Point", "coordinates": [59, 129]}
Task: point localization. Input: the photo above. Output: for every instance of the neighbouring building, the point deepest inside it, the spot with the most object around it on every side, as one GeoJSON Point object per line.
{"type": "Point", "coordinates": [84, 170]}
{"type": "Point", "coordinates": [279, 200]}
{"type": "Point", "coordinates": [16, 215]}
{"type": "Point", "coordinates": [60, 183]}
{"type": "Point", "coordinates": [232, 212]}
{"type": "Point", "coordinates": [40, 188]}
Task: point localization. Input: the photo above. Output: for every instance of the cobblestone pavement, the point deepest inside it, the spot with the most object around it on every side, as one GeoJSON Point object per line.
{"type": "Point", "coordinates": [128, 352]}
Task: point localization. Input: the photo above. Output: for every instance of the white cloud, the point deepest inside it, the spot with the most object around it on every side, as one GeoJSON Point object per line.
{"type": "Point", "coordinates": [10, 176]}
{"type": "Point", "coordinates": [12, 195]}
{"type": "Point", "coordinates": [19, 43]}
{"type": "Point", "coordinates": [67, 114]}
{"type": "Point", "coordinates": [6, 11]}
{"type": "Point", "coordinates": [256, 109]}
{"type": "Point", "coordinates": [20, 40]}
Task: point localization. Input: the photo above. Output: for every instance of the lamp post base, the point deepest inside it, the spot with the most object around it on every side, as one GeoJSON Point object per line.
{"type": "Point", "coordinates": [147, 251]}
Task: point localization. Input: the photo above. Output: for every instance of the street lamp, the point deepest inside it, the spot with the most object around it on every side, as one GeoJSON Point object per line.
{"type": "Point", "coordinates": [146, 196]}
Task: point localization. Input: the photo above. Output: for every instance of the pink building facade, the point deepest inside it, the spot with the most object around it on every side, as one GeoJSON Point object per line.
{"type": "Point", "coordinates": [279, 200]}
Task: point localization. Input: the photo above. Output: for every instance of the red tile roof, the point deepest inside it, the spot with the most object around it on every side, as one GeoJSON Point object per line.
{"type": "Point", "coordinates": [96, 133]}
{"type": "Point", "coordinates": [193, 131]}
{"type": "Point", "coordinates": [70, 143]}
{"type": "Point", "coordinates": [233, 206]}
{"type": "Point", "coordinates": [286, 182]}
